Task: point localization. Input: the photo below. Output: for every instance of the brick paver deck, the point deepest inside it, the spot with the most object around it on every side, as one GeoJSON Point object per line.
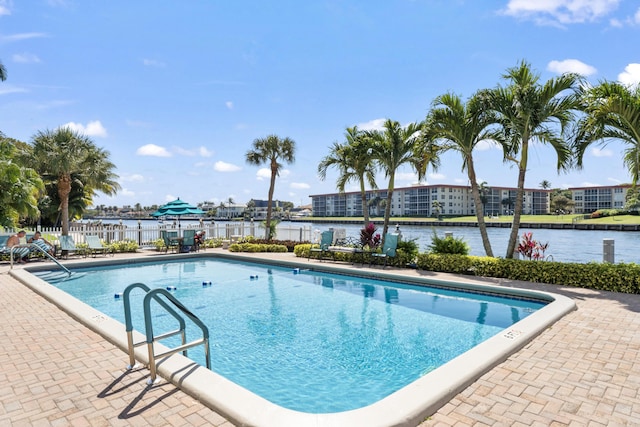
{"type": "Point", "coordinates": [582, 371]}
{"type": "Point", "coordinates": [56, 372]}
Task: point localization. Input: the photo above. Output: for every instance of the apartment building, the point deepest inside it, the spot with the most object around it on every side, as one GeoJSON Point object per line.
{"type": "Point", "coordinates": [590, 199]}
{"type": "Point", "coordinates": [420, 201]}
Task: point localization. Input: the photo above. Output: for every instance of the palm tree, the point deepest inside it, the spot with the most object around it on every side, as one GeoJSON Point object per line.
{"type": "Point", "coordinates": [459, 127]}
{"type": "Point", "coordinates": [3, 72]}
{"type": "Point", "coordinates": [530, 111]}
{"type": "Point", "coordinates": [19, 186]}
{"type": "Point", "coordinates": [272, 150]}
{"type": "Point", "coordinates": [395, 146]}
{"type": "Point", "coordinates": [353, 160]}
{"type": "Point", "coordinates": [70, 157]}
{"type": "Point", "coordinates": [545, 185]}
{"type": "Point", "coordinates": [612, 112]}
{"type": "Point", "coordinates": [437, 207]}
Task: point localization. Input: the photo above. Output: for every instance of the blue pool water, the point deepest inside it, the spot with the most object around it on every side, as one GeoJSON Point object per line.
{"type": "Point", "coordinates": [309, 341]}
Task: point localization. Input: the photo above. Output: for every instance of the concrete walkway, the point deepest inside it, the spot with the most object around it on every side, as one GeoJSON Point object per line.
{"type": "Point", "coordinates": [582, 371]}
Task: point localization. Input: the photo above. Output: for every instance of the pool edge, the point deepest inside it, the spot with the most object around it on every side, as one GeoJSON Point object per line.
{"type": "Point", "coordinates": [406, 407]}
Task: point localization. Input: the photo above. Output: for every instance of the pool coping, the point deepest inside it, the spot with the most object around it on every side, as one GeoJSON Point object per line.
{"type": "Point", "coordinates": [405, 407]}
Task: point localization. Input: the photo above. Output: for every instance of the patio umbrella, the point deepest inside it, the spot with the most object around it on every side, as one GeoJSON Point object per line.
{"type": "Point", "coordinates": [177, 208]}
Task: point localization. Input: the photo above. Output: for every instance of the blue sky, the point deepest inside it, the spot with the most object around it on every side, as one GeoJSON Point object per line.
{"type": "Point", "coordinates": [178, 91]}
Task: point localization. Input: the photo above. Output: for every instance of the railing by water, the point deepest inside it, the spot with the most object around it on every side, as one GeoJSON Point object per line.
{"type": "Point", "coordinates": [145, 235]}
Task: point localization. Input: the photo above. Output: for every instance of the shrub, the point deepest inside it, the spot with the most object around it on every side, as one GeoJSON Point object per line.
{"type": "Point", "coordinates": [530, 248]}
{"type": "Point", "coordinates": [406, 253]}
{"type": "Point", "coordinates": [448, 245]}
{"type": "Point", "coordinates": [290, 244]}
{"type": "Point", "coordinates": [256, 247]}
{"type": "Point", "coordinates": [368, 236]}
{"type": "Point", "coordinates": [601, 276]}
{"type": "Point", "coordinates": [124, 246]}
{"type": "Point", "coordinates": [302, 250]}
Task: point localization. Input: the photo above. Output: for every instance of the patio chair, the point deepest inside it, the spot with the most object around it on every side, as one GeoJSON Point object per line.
{"type": "Point", "coordinates": [189, 241]}
{"type": "Point", "coordinates": [388, 249]}
{"type": "Point", "coordinates": [169, 240]}
{"type": "Point", "coordinates": [68, 247]}
{"type": "Point", "coordinates": [96, 247]}
{"type": "Point", "coordinates": [326, 239]}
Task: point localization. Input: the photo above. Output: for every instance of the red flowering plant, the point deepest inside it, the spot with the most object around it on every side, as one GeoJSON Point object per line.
{"type": "Point", "coordinates": [531, 249]}
{"type": "Point", "coordinates": [368, 236]}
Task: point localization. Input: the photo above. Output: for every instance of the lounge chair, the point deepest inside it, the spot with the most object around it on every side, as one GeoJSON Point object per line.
{"type": "Point", "coordinates": [96, 246]}
{"type": "Point", "coordinates": [388, 249]}
{"type": "Point", "coordinates": [326, 239]}
{"type": "Point", "coordinates": [68, 247]}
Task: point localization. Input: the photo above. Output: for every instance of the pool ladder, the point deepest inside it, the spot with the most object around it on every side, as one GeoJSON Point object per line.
{"type": "Point", "coordinates": [156, 295]}
{"type": "Point", "coordinates": [32, 247]}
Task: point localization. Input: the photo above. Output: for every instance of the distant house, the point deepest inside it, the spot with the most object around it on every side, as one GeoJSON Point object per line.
{"type": "Point", "coordinates": [232, 210]}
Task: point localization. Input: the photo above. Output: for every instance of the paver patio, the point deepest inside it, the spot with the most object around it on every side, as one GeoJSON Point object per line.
{"type": "Point", "coordinates": [582, 371]}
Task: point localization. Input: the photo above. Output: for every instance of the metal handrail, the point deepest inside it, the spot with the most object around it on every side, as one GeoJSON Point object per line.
{"type": "Point", "coordinates": [129, 323]}
{"type": "Point", "coordinates": [149, 330]}
{"type": "Point", "coordinates": [32, 246]}
{"type": "Point", "coordinates": [156, 295]}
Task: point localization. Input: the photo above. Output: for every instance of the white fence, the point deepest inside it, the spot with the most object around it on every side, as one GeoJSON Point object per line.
{"type": "Point", "coordinates": [144, 235]}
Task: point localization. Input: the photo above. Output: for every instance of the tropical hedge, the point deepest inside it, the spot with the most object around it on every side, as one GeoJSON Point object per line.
{"type": "Point", "coordinates": [621, 277]}
{"type": "Point", "coordinates": [257, 247]}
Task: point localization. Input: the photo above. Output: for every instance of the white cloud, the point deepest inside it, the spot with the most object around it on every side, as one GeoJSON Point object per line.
{"type": "Point", "coordinates": [204, 152]}
{"type": "Point", "coordinates": [131, 177]}
{"type": "Point", "coordinates": [126, 192]}
{"type": "Point", "coordinates": [4, 10]}
{"type": "Point", "coordinates": [436, 176]}
{"type": "Point", "coordinates": [200, 151]}
{"type": "Point", "coordinates": [221, 166]}
{"type": "Point", "coordinates": [375, 124]}
{"type": "Point", "coordinates": [406, 176]}
{"type": "Point", "coordinates": [284, 173]}
{"type": "Point", "coordinates": [616, 23]}
{"type": "Point", "coordinates": [571, 66]}
{"type": "Point", "coordinates": [153, 150]}
{"type": "Point", "coordinates": [265, 173]}
{"type": "Point", "coordinates": [300, 185]}
{"type": "Point", "coordinates": [560, 12]}
{"type": "Point", "coordinates": [21, 36]}
{"type": "Point", "coordinates": [25, 58]}
{"type": "Point", "coordinates": [487, 144]}
{"type": "Point", "coordinates": [229, 105]}
{"type": "Point", "coordinates": [6, 89]}
{"type": "Point", "coordinates": [614, 180]}
{"type": "Point", "coordinates": [589, 184]}
{"type": "Point", "coordinates": [630, 76]}
{"type": "Point", "coordinates": [597, 152]}
{"type": "Point", "coordinates": [636, 17]}
{"type": "Point", "coordinates": [153, 63]}
{"type": "Point", "coordinates": [93, 128]}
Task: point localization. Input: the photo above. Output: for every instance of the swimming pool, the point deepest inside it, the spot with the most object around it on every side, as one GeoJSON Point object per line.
{"type": "Point", "coordinates": [361, 341]}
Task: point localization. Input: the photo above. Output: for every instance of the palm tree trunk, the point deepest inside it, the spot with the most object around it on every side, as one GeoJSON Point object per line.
{"type": "Point", "coordinates": [517, 213]}
{"type": "Point", "coordinates": [387, 209]}
{"type": "Point", "coordinates": [363, 199]}
{"type": "Point", "coordinates": [64, 189]}
{"type": "Point", "coordinates": [272, 185]}
{"type": "Point", "coordinates": [475, 193]}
